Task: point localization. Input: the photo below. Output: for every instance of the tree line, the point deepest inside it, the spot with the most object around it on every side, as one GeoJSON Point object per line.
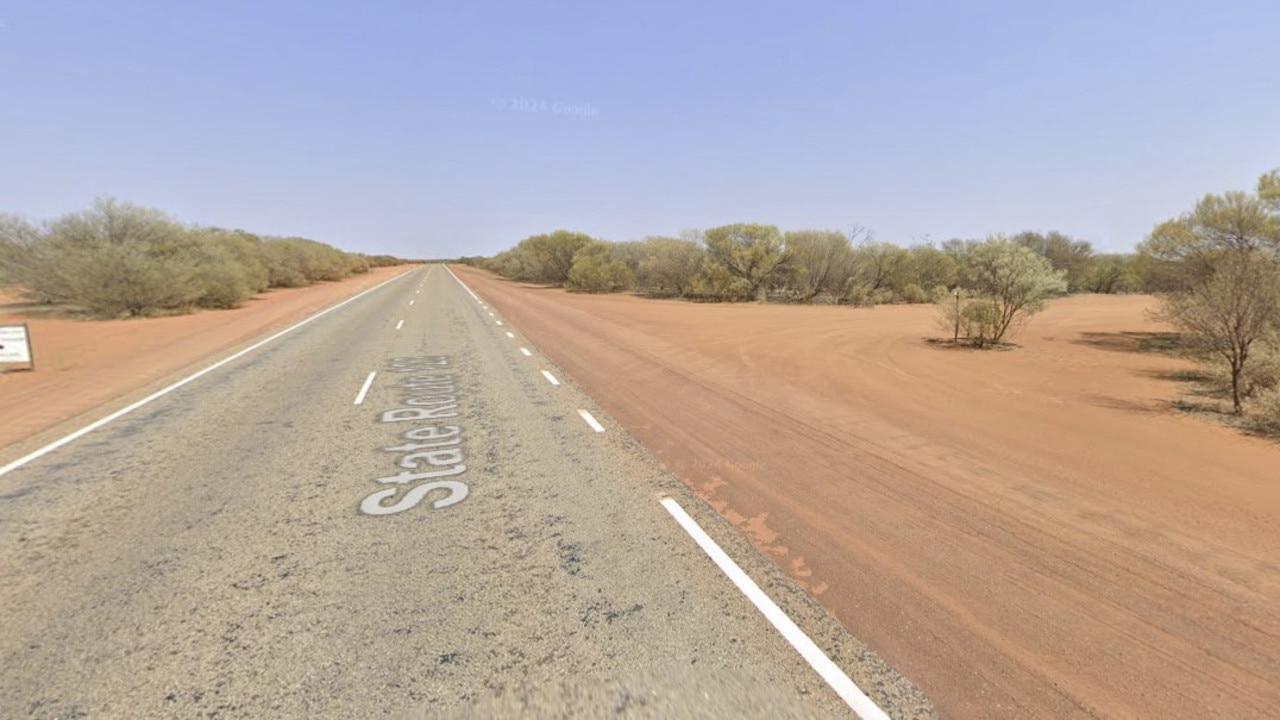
{"type": "Point", "coordinates": [984, 288]}
{"type": "Point", "coordinates": [1216, 269]}
{"type": "Point", "coordinates": [119, 259]}
{"type": "Point", "coordinates": [749, 261]}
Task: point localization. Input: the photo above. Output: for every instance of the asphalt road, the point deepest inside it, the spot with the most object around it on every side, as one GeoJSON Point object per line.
{"type": "Point", "coordinates": [289, 536]}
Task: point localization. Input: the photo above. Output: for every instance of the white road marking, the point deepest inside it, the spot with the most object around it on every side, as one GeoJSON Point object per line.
{"type": "Point", "coordinates": [590, 420]}
{"type": "Point", "coordinates": [550, 378]}
{"type": "Point", "coordinates": [464, 286]}
{"type": "Point", "coordinates": [526, 352]}
{"type": "Point", "coordinates": [818, 660]}
{"type": "Point", "coordinates": [165, 391]}
{"type": "Point", "coordinates": [498, 321]}
{"type": "Point", "coordinates": [415, 292]}
{"type": "Point", "coordinates": [412, 302]}
{"type": "Point", "coordinates": [492, 315]}
{"type": "Point", "coordinates": [510, 334]}
{"type": "Point", "coordinates": [364, 389]}
{"type": "Point", "coordinates": [399, 324]}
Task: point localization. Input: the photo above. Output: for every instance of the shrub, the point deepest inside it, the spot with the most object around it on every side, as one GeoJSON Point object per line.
{"type": "Point", "coordinates": [126, 279]}
{"type": "Point", "coordinates": [861, 295]}
{"type": "Point", "coordinates": [914, 294]}
{"type": "Point", "coordinates": [595, 271]}
{"type": "Point", "coordinates": [717, 283]}
{"type": "Point", "coordinates": [1264, 412]}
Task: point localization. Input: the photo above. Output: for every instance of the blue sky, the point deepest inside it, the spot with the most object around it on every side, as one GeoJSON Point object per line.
{"type": "Point", "coordinates": [430, 129]}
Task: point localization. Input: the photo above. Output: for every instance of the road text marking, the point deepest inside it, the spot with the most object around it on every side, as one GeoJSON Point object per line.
{"type": "Point", "coordinates": [550, 378]}
{"type": "Point", "coordinates": [590, 420]}
{"type": "Point", "coordinates": [431, 451]}
{"type": "Point", "coordinates": [818, 660]}
{"type": "Point", "coordinates": [364, 389]}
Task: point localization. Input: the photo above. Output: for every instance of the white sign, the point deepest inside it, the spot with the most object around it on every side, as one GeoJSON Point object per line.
{"type": "Point", "coordinates": [15, 347]}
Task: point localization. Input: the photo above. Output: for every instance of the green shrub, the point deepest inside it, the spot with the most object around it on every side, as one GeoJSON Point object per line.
{"type": "Point", "coordinates": [861, 295]}
{"type": "Point", "coordinates": [127, 279]}
{"type": "Point", "coordinates": [595, 271]}
{"type": "Point", "coordinates": [1264, 412]}
{"type": "Point", "coordinates": [914, 294]}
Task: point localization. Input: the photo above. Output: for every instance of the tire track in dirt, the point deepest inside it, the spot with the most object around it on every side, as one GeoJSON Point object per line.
{"type": "Point", "coordinates": [993, 584]}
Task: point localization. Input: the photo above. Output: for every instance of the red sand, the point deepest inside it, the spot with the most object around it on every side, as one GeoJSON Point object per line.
{"type": "Point", "coordinates": [1024, 534]}
{"type": "Point", "coordinates": [81, 364]}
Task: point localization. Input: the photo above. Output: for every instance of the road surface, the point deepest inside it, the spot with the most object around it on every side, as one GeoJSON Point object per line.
{"type": "Point", "coordinates": [397, 508]}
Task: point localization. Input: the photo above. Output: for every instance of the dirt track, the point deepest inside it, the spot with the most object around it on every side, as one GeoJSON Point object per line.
{"type": "Point", "coordinates": [1023, 534]}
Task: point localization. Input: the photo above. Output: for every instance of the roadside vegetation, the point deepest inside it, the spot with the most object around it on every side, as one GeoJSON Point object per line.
{"type": "Point", "coordinates": [117, 259]}
{"type": "Point", "coordinates": [1216, 270]}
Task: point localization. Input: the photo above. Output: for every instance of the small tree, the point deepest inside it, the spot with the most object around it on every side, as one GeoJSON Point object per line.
{"type": "Point", "coordinates": [20, 259]}
{"type": "Point", "coordinates": [821, 262]}
{"type": "Point", "coordinates": [552, 254]}
{"type": "Point", "coordinates": [750, 252]}
{"type": "Point", "coordinates": [1014, 280]}
{"type": "Point", "coordinates": [880, 265]}
{"type": "Point", "coordinates": [1185, 249]}
{"type": "Point", "coordinates": [1269, 189]}
{"type": "Point", "coordinates": [669, 265]}
{"type": "Point", "coordinates": [595, 270]}
{"type": "Point", "coordinates": [1229, 308]}
{"type": "Point", "coordinates": [1073, 257]}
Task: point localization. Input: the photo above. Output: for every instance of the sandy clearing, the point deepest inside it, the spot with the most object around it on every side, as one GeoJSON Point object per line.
{"type": "Point", "coordinates": [1023, 534]}
{"type": "Point", "coordinates": [81, 364]}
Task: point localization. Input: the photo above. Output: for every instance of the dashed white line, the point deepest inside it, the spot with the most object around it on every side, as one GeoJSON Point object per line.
{"type": "Point", "coordinates": [812, 654]}
{"type": "Point", "coordinates": [526, 352]}
{"type": "Point", "coordinates": [510, 334]}
{"type": "Point", "coordinates": [364, 389]}
{"type": "Point", "coordinates": [550, 378]}
{"type": "Point", "coordinates": [492, 315]}
{"type": "Point", "coordinates": [498, 321]}
{"type": "Point", "coordinates": [412, 302]}
{"type": "Point", "coordinates": [165, 391]}
{"type": "Point", "coordinates": [590, 420]}
{"type": "Point", "coordinates": [399, 324]}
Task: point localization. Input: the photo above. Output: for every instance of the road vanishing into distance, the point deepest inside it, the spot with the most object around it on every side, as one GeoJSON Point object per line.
{"type": "Point", "coordinates": [399, 507]}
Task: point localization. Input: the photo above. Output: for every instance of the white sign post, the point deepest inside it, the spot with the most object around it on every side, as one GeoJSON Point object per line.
{"type": "Point", "coordinates": [15, 345]}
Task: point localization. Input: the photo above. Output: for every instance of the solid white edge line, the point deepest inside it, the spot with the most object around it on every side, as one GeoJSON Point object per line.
{"type": "Point", "coordinates": [165, 391]}
{"type": "Point", "coordinates": [590, 420]}
{"type": "Point", "coordinates": [526, 352]}
{"type": "Point", "coordinates": [464, 285]}
{"type": "Point", "coordinates": [812, 654]}
{"type": "Point", "coordinates": [399, 324]}
{"type": "Point", "coordinates": [364, 389]}
{"type": "Point", "coordinates": [550, 378]}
